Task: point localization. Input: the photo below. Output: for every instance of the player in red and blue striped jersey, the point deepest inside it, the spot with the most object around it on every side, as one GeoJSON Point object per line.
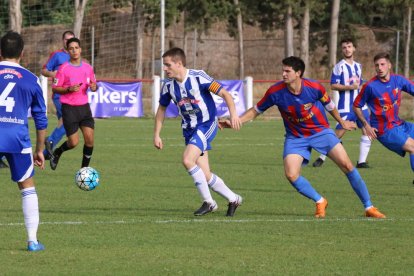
{"type": "Point", "coordinates": [301, 103]}
{"type": "Point", "coordinates": [383, 95]}
{"type": "Point", "coordinates": [19, 91]}
{"type": "Point", "coordinates": [191, 91]}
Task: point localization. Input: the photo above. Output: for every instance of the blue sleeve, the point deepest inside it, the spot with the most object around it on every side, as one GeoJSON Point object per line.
{"type": "Point", "coordinates": [165, 97]}
{"type": "Point", "coordinates": [38, 108]}
{"type": "Point", "coordinates": [407, 86]}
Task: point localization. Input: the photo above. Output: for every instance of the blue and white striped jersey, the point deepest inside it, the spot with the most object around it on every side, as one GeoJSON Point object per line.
{"type": "Point", "coordinates": [192, 97]}
{"type": "Point", "coordinates": [346, 74]}
{"type": "Point", "coordinates": [19, 90]}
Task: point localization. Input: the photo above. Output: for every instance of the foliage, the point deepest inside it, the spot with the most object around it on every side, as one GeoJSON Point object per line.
{"type": "Point", "coordinates": [36, 12]}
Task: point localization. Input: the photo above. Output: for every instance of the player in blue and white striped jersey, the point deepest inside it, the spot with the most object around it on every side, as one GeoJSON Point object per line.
{"type": "Point", "coordinates": [19, 91]}
{"type": "Point", "coordinates": [191, 91]}
{"type": "Point", "coordinates": [346, 78]}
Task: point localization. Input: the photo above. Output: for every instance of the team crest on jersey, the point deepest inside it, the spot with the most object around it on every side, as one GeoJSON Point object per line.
{"type": "Point", "coordinates": [55, 81]}
{"type": "Point", "coordinates": [307, 106]}
{"type": "Point", "coordinates": [395, 91]}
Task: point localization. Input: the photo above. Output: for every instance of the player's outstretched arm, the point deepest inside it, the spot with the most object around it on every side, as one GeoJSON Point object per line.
{"type": "Point", "coordinates": [371, 132]}
{"type": "Point", "coordinates": [249, 115]}
{"type": "Point", "coordinates": [234, 117]}
{"type": "Point", "coordinates": [159, 120]}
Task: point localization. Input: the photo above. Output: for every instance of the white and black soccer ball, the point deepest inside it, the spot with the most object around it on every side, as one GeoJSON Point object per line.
{"type": "Point", "coordinates": [87, 178]}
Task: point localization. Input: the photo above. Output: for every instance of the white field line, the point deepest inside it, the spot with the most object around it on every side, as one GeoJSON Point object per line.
{"type": "Point", "coordinates": [169, 221]}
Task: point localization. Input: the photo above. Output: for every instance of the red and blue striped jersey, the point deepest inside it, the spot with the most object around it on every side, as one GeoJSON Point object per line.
{"type": "Point", "coordinates": [303, 115]}
{"type": "Point", "coordinates": [383, 100]}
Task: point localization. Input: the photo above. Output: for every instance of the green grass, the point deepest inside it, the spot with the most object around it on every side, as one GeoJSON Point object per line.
{"type": "Point", "coordinates": [140, 222]}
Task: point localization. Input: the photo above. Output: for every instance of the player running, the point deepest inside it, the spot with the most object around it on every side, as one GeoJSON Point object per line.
{"type": "Point", "coordinates": [191, 91]}
{"type": "Point", "coordinates": [301, 103]}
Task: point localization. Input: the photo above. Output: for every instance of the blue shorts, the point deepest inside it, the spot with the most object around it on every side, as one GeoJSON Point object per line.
{"type": "Point", "coordinates": [58, 105]}
{"type": "Point", "coordinates": [201, 136]}
{"type": "Point", "coordinates": [322, 142]}
{"type": "Point", "coordinates": [351, 116]}
{"type": "Point", "coordinates": [21, 165]}
{"type": "Point", "coordinates": [394, 139]}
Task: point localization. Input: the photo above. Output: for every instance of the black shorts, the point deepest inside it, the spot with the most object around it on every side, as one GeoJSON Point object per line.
{"type": "Point", "coordinates": [75, 116]}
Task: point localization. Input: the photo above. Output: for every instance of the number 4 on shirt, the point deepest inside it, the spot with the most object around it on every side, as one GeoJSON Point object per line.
{"type": "Point", "coordinates": [6, 101]}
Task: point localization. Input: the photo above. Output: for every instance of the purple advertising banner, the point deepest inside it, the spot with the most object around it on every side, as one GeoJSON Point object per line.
{"type": "Point", "coordinates": [116, 100]}
{"type": "Point", "coordinates": [235, 88]}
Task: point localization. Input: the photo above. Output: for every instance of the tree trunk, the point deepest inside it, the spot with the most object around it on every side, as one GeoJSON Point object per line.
{"type": "Point", "coordinates": [289, 32]}
{"type": "Point", "coordinates": [138, 10]}
{"type": "Point", "coordinates": [240, 37]}
{"type": "Point", "coordinates": [304, 36]}
{"type": "Point", "coordinates": [79, 13]}
{"type": "Point", "coordinates": [408, 14]}
{"type": "Point", "coordinates": [15, 16]}
{"type": "Point", "coordinates": [333, 32]}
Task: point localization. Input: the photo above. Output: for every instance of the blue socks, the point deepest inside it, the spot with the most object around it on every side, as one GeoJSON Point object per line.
{"type": "Point", "coordinates": [359, 187]}
{"type": "Point", "coordinates": [57, 135]}
{"type": "Point", "coordinates": [412, 161]}
{"type": "Point", "coordinates": [303, 186]}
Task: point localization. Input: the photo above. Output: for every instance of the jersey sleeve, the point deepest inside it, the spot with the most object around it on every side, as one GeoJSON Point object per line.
{"type": "Point", "coordinates": [50, 64]}
{"type": "Point", "coordinates": [165, 97]}
{"type": "Point", "coordinates": [407, 86]}
{"type": "Point", "coordinates": [268, 100]}
{"type": "Point", "coordinates": [59, 79]}
{"type": "Point", "coordinates": [336, 75]}
{"type": "Point", "coordinates": [38, 107]}
{"type": "Point", "coordinates": [361, 99]}
{"type": "Point", "coordinates": [323, 95]}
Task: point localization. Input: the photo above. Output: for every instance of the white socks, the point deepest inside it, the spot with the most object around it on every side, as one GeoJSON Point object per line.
{"type": "Point", "coordinates": [30, 208]}
{"type": "Point", "coordinates": [323, 157]}
{"type": "Point", "coordinates": [217, 185]}
{"type": "Point", "coordinates": [364, 146]}
{"type": "Point", "coordinates": [201, 183]}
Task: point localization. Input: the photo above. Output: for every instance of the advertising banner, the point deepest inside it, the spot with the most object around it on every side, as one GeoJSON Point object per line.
{"type": "Point", "coordinates": [116, 100]}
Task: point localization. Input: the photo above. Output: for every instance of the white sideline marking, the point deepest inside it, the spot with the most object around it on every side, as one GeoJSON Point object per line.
{"type": "Point", "coordinates": [370, 220]}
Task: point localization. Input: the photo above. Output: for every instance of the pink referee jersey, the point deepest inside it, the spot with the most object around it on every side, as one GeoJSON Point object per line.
{"type": "Point", "coordinates": [69, 75]}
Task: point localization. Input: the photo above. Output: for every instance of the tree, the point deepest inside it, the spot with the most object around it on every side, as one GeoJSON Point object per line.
{"type": "Point", "coordinates": [407, 32]}
{"type": "Point", "coordinates": [304, 35]}
{"type": "Point", "coordinates": [240, 37]}
{"type": "Point", "coordinates": [15, 16]}
{"type": "Point", "coordinates": [333, 32]}
{"type": "Point", "coordinates": [79, 13]}
{"type": "Point", "coordinates": [289, 51]}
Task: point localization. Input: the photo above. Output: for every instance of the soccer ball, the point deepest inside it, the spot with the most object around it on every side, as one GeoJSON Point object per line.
{"type": "Point", "coordinates": [87, 178]}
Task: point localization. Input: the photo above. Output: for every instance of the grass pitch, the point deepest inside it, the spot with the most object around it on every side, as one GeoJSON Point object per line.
{"type": "Point", "coordinates": [139, 221]}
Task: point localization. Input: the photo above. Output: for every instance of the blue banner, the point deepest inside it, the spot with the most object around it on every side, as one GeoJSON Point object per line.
{"type": "Point", "coordinates": [235, 88]}
{"type": "Point", "coordinates": [117, 99]}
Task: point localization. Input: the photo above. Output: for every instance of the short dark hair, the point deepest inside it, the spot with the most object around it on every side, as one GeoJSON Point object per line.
{"type": "Point", "coordinates": [11, 45]}
{"type": "Point", "coordinates": [67, 32]}
{"type": "Point", "coordinates": [296, 63]}
{"type": "Point", "coordinates": [73, 39]}
{"type": "Point", "coordinates": [347, 40]}
{"type": "Point", "coordinates": [382, 55]}
{"type": "Point", "coordinates": [176, 54]}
